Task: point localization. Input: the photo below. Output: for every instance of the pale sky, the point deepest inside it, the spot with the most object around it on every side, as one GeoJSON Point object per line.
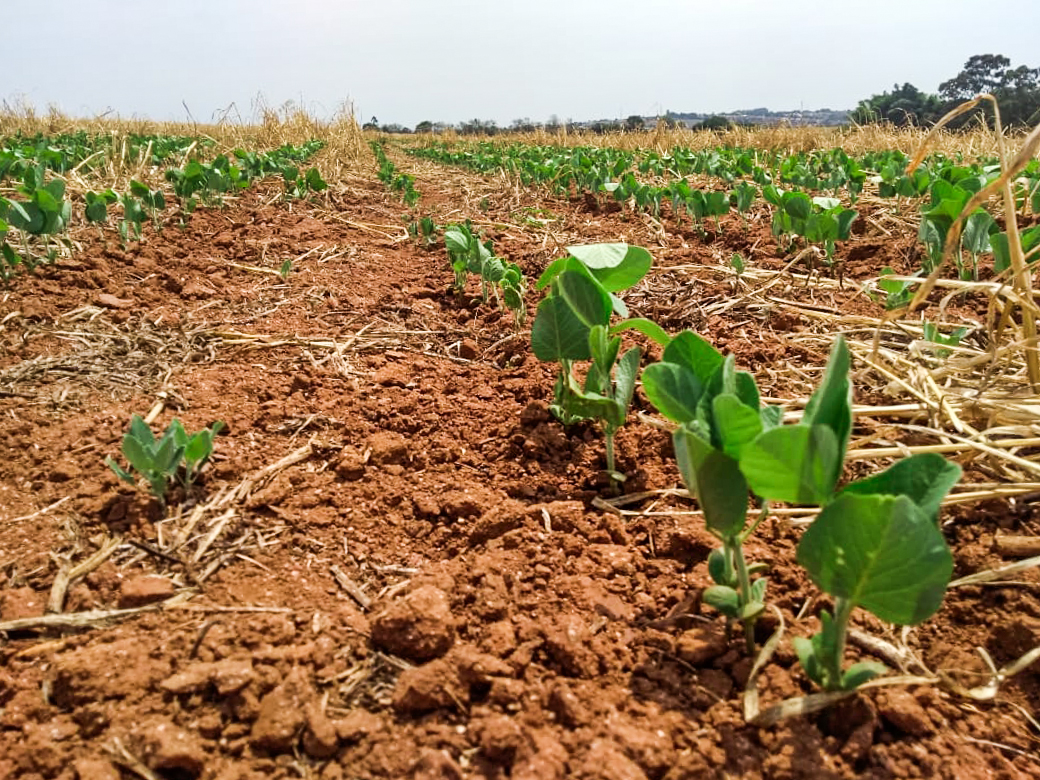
{"type": "Point", "coordinates": [405, 61]}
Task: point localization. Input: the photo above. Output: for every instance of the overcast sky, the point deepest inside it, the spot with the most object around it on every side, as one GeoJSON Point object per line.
{"type": "Point", "coordinates": [405, 61]}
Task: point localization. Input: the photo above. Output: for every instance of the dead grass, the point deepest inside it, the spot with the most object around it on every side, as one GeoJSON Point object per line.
{"type": "Point", "coordinates": [267, 128]}
{"type": "Point", "coordinates": [973, 143]}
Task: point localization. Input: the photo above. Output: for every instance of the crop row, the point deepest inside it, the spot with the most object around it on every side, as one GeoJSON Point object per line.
{"type": "Point", "coordinates": [394, 180]}
{"type": "Point", "coordinates": [84, 151]}
{"type": "Point", "coordinates": [942, 186]}
{"type": "Point", "coordinates": [876, 543]}
{"type": "Point", "coordinates": [41, 211]}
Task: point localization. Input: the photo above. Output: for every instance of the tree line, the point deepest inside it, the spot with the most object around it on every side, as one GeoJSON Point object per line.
{"type": "Point", "coordinates": [1016, 89]}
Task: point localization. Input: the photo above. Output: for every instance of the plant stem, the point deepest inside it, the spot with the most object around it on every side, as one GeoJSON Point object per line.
{"type": "Point", "coordinates": [734, 549]}
{"type": "Point", "coordinates": [758, 521]}
{"type": "Point", "coordinates": [842, 613]}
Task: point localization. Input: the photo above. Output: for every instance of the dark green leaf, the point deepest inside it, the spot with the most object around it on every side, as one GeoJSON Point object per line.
{"type": "Point", "coordinates": [716, 480]}
{"type": "Point", "coordinates": [673, 389]}
{"type": "Point", "coordinates": [648, 328]}
{"type": "Point", "coordinates": [880, 552]}
{"type": "Point", "coordinates": [557, 333]}
{"type": "Point", "coordinates": [794, 463]}
{"type": "Point", "coordinates": [857, 674]}
{"type": "Point", "coordinates": [831, 404]}
{"type": "Point", "coordinates": [925, 479]}
{"type": "Point", "coordinates": [698, 355]}
{"type": "Point", "coordinates": [724, 599]}
{"type": "Point", "coordinates": [738, 425]}
{"type": "Point", "coordinates": [589, 301]}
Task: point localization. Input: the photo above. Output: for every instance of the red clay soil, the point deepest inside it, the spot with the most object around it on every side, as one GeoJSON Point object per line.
{"type": "Point", "coordinates": [426, 588]}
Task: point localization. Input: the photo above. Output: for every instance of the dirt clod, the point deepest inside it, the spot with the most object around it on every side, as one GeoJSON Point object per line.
{"type": "Point", "coordinates": [141, 591]}
{"type": "Point", "coordinates": [419, 626]}
{"type": "Point", "coordinates": [283, 713]}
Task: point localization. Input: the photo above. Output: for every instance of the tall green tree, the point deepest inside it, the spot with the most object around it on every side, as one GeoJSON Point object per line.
{"type": "Point", "coordinates": [1016, 89]}
{"type": "Point", "coordinates": [904, 105]}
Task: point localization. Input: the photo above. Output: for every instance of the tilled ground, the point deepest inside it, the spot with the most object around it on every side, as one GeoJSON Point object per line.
{"type": "Point", "coordinates": [397, 565]}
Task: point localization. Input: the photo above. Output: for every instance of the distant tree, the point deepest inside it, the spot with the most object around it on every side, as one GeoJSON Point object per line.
{"type": "Point", "coordinates": [904, 105]}
{"type": "Point", "coordinates": [715, 122]}
{"type": "Point", "coordinates": [1017, 90]}
{"type": "Point", "coordinates": [479, 127]}
{"type": "Point", "coordinates": [393, 127]}
{"type": "Point", "coordinates": [634, 122]}
{"type": "Point", "coordinates": [604, 126]}
{"type": "Point", "coordinates": [426, 126]}
{"type": "Point", "coordinates": [982, 73]}
{"type": "Point", "coordinates": [524, 125]}
{"type": "Point", "coordinates": [371, 124]}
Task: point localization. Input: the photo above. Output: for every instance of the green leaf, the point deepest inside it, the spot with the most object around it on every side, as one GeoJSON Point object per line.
{"type": "Point", "coordinates": [831, 404]}
{"type": "Point", "coordinates": [615, 266]}
{"type": "Point", "coordinates": [648, 328]}
{"type": "Point", "coordinates": [716, 480]}
{"type": "Point", "coordinates": [882, 553]}
{"type": "Point", "coordinates": [557, 333]}
{"type": "Point", "coordinates": [738, 424]}
{"type": "Point", "coordinates": [512, 298]}
{"type": "Point", "coordinates": [456, 241]}
{"type": "Point", "coordinates": [857, 674]}
{"type": "Point", "coordinates": [697, 354]}
{"type": "Point", "coordinates": [806, 652]}
{"type": "Point", "coordinates": [772, 417]}
{"type": "Point", "coordinates": [797, 204]}
{"type": "Point", "coordinates": [719, 569]}
{"type": "Point", "coordinates": [924, 478]}
{"type": "Point", "coordinates": [119, 472]}
{"type": "Point", "coordinates": [167, 456]}
{"type": "Point", "coordinates": [590, 302]}
{"type": "Point", "coordinates": [723, 598]}
{"type": "Point", "coordinates": [138, 189]}
{"type": "Point", "coordinates": [625, 378]}
{"type": "Point", "coordinates": [554, 269]}
{"type": "Point", "coordinates": [795, 463]}
{"type": "Point", "coordinates": [175, 430]}
{"type": "Point", "coordinates": [199, 448]}
{"type": "Point", "coordinates": [673, 389]}
{"type": "Point", "coordinates": [139, 457]}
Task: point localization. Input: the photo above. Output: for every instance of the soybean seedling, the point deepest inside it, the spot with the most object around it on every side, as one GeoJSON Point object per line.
{"type": "Point", "coordinates": [573, 324]}
{"type": "Point", "coordinates": [876, 544]}
{"type": "Point", "coordinates": [153, 201]}
{"type": "Point", "coordinates": [159, 460]}
{"type": "Point", "coordinates": [719, 414]}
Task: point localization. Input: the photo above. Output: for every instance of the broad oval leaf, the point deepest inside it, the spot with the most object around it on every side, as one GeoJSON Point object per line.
{"type": "Point", "coordinates": [615, 266]}
{"type": "Point", "coordinates": [696, 353]}
{"type": "Point", "coordinates": [724, 599]}
{"type": "Point", "coordinates": [880, 552]}
{"type": "Point", "coordinates": [557, 333]}
{"type": "Point", "coordinates": [924, 478]}
{"type": "Point", "coordinates": [716, 480]}
{"type": "Point", "coordinates": [590, 302]}
{"type": "Point", "coordinates": [673, 389]}
{"type": "Point", "coordinates": [738, 425]}
{"type": "Point", "coordinates": [795, 463]}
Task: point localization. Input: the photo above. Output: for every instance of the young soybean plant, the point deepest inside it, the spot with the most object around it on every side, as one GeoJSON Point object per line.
{"type": "Point", "coordinates": [158, 460]}
{"type": "Point", "coordinates": [719, 415]}
{"type": "Point", "coordinates": [876, 544]}
{"type": "Point", "coordinates": [573, 324]}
